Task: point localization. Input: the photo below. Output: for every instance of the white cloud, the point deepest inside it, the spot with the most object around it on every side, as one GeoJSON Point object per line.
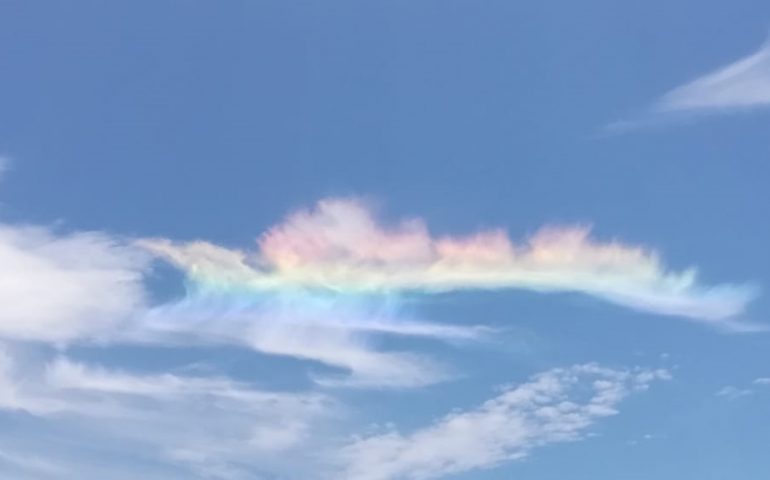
{"type": "Point", "coordinates": [61, 287]}
{"type": "Point", "coordinates": [550, 408]}
{"type": "Point", "coordinates": [301, 296]}
{"type": "Point", "coordinates": [338, 347]}
{"type": "Point", "coordinates": [323, 285]}
{"type": "Point", "coordinates": [733, 393]}
{"type": "Point", "coordinates": [742, 84]}
{"type": "Point", "coordinates": [69, 288]}
{"type": "Point", "coordinates": [334, 333]}
{"type": "Point", "coordinates": [218, 428]}
{"type": "Point", "coordinates": [200, 423]}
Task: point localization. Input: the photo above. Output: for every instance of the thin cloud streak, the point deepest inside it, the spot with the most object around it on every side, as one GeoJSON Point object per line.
{"type": "Point", "coordinates": [731, 392]}
{"type": "Point", "coordinates": [743, 84]}
{"type": "Point", "coordinates": [330, 331]}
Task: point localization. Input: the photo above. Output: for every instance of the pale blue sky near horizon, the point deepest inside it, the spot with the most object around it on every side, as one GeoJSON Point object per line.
{"type": "Point", "coordinates": [213, 120]}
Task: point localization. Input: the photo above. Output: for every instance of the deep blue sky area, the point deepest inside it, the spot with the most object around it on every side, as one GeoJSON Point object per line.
{"type": "Point", "coordinates": [213, 120]}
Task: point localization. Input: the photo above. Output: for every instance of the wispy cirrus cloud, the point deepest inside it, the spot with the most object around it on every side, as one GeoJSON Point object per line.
{"type": "Point", "coordinates": [741, 85]}
{"type": "Point", "coordinates": [339, 246]}
{"type": "Point", "coordinates": [547, 409]}
{"type": "Point", "coordinates": [193, 423]}
{"type": "Point", "coordinates": [731, 392]}
{"type": "Point", "coordinates": [330, 329]}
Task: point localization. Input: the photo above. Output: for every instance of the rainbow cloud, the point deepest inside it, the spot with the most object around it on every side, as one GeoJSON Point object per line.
{"type": "Point", "coordinates": [339, 247]}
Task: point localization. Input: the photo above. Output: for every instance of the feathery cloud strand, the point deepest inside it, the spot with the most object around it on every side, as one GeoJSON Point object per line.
{"type": "Point", "coordinates": [742, 84]}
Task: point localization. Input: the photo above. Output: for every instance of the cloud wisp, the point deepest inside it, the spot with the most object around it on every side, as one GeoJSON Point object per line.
{"type": "Point", "coordinates": [741, 85]}
{"type": "Point", "coordinates": [340, 247]}
{"type": "Point", "coordinates": [731, 392]}
{"type": "Point", "coordinates": [336, 331]}
{"type": "Point", "coordinates": [552, 407]}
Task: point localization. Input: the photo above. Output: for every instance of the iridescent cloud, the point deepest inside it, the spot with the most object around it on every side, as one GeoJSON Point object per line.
{"type": "Point", "coordinates": [339, 246]}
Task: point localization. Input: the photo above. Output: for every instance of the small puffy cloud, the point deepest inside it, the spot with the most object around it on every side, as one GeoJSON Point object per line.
{"type": "Point", "coordinates": [557, 406]}
{"type": "Point", "coordinates": [762, 381]}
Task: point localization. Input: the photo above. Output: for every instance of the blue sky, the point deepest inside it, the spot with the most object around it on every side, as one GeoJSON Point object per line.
{"type": "Point", "coordinates": [384, 240]}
